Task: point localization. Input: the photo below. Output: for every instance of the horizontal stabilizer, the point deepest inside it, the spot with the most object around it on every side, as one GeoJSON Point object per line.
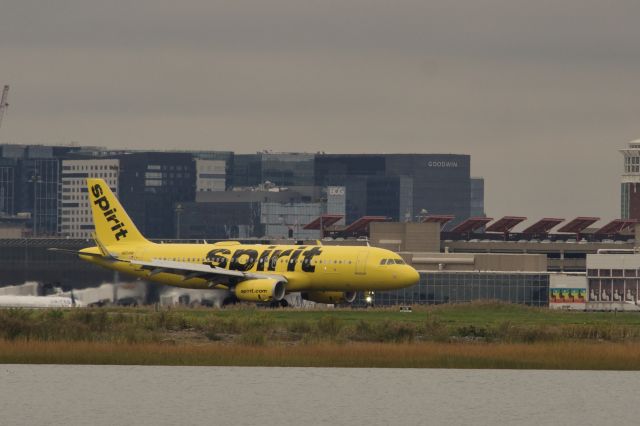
{"type": "Point", "coordinates": [76, 252]}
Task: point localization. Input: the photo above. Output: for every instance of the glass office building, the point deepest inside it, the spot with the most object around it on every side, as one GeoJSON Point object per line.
{"type": "Point", "coordinates": [477, 197]}
{"type": "Point", "coordinates": [8, 170]}
{"type": "Point", "coordinates": [459, 287]}
{"type": "Point", "coordinates": [399, 186]}
{"type": "Point", "coordinates": [150, 186]}
{"type": "Point", "coordinates": [288, 169]}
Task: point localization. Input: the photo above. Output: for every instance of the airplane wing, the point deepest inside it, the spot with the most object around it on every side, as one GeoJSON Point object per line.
{"type": "Point", "coordinates": [198, 270]}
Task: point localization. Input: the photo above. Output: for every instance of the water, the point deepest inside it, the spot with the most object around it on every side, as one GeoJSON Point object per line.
{"type": "Point", "coordinates": [123, 395]}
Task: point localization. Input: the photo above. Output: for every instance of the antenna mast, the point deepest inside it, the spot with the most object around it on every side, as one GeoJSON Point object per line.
{"type": "Point", "coordinates": [3, 102]}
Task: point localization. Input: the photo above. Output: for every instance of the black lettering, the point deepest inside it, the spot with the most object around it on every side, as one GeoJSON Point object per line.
{"type": "Point", "coordinates": [118, 226]}
{"type": "Point", "coordinates": [262, 260]}
{"type": "Point", "coordinates": [215, 258]}
{"type": "Point", "coordinates": [121, 234]}
{"type": "Point", "coordinates": [273, 260]}
{"type": "Point", "coordinates": [113, 218]}
{"type": "Point", "coordinates": [236, 265]}
{"type": "Point", "coordinates": [291, 266]}
{"type": "Point", "coordinates": [308, 256]}
{"type": "Point", "coordinates": [96, 190]}
{"type": "Point", "coordinates": [103, 203]}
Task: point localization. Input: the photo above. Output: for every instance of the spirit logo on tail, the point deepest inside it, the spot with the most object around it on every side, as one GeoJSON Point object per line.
{"type": "Point", "coordinates": [101, 201]}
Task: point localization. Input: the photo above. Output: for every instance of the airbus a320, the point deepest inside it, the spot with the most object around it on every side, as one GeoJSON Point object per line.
{"type": "Point", "coordinates": [251, 272]}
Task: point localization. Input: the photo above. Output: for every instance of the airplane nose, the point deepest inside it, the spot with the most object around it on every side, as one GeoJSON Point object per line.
{"type": "Point", "coordinates": [409, 276]}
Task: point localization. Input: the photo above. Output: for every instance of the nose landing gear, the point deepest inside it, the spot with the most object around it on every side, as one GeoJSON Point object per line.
{"type": "Point", "coordinates": [369, 299]}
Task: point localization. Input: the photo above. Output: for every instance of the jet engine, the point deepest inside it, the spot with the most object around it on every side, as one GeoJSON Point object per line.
{"type": "Point", "coordinates": [331, 297]}
{"type": "Point", "coordinates": [260, 290]}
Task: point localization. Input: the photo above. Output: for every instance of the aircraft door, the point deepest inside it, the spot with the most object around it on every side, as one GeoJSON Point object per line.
{"type": "Point", "coordinates": [361, 262]}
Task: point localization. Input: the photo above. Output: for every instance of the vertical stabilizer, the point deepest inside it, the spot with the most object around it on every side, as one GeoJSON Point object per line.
{"type": "Point", "coordinates": [112, 224]}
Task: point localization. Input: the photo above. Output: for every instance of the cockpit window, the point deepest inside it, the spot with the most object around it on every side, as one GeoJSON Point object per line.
{"type": "Point", "coordinates": [383, 262]}
{"type": "Point", "coordinates": [399, 262]}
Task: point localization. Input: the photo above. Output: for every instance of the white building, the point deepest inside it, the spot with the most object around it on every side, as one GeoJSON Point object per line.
{"type": "Point", "coordinates": [613, 282]}
{"type": "Point", "coordinates": [210, 175]}
{"type": "Point", "coordinates": [74, 209]}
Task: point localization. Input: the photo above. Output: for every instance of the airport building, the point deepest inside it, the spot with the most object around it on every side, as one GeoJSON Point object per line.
{"type": "Point", "coordinates": [630, 186]}
{"type": "Point", "coordinates": [613, 282]}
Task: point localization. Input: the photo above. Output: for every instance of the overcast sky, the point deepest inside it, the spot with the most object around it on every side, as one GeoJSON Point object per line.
{"type": "Point", "coordinates": [541, 93]}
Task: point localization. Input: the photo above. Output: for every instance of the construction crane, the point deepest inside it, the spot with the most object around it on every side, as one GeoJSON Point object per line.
{"type": "Point", "coordinates": [3, 102]}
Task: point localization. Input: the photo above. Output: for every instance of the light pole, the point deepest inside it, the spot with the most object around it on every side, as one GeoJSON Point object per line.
{"type": "Point", "coordinates": [179, 210]}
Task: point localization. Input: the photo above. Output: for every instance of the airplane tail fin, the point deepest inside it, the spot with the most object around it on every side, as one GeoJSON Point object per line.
{"type": "Point", "coordinates": [112, 224]}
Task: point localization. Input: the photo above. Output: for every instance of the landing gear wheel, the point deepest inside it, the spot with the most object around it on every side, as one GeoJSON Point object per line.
{"type": "Point", "coordinates": [284, 303]}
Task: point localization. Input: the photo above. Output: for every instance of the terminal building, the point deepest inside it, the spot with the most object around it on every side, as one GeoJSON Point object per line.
{"type": "Point", "coordinates": [630, 186]}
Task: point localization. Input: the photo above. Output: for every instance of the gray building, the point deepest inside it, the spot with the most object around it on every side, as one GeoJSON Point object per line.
{"type": "Point", "coordinates": [399, 186]}
{"type": "Point", "coordinates": [263, 212]}
{"type": "Point", "coordinates": [477, 197]}
{"type": "Point", "coordinates": [30, 183]}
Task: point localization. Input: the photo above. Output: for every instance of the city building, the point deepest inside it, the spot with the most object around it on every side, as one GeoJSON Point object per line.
{"type": "Point", "coordinates": [400, 186]}
{"type": "Point", "coordinates": [30, 183]}
{"type": "Point", "coordinates": [211, 175]}
{"type": "Point", "coordinates": [258, 212]}
{"type": "Point", "coordinates": [152, 185]}
{"type": "Point", "coordinates": [75, 211]}
{"type": "Point", "coordinates": [8, 174]}
{"type": "Point", "coordinates": [477, 197]}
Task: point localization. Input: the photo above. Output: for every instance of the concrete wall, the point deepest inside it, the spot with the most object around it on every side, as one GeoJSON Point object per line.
{"type": "Point", "coordinates": [511, 262]}
{"type": "Point", "coordinates": [12, 230]}
{"type": "Point", "coordinates": [400, 236]}
{"type": "Point", "coordinates": [476, 262]}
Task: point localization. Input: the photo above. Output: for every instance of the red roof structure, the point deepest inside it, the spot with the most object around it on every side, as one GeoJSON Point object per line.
{"type": "Point", "coordinates": [325, 220]}
{"type": "Point", "coordinates": [471, 225]}
{"type": "Point", "coordinates": [543, 226]}
{"type": "Point", "coordinates": [616, 226]}
{"type": "Point", "coordinates": [506, 224]}
{"type": "Point", "coordinates": [362, 223]}
{"type": "Point", "coordinates": [578, 224]}
{"type": "Point", "coordinates": [442, 219]}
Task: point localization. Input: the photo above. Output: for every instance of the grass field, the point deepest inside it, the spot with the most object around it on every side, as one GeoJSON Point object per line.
{"type": "Point", "coordinates": [477, 335]}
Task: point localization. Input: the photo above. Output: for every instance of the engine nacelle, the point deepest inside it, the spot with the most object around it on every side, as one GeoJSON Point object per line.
{"type": "Point", "coordinates": [260, 290]}
{"type": "Point", "coordinates": [330, 297]}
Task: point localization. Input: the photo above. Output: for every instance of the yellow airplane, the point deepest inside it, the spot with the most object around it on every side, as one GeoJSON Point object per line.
{"type": "Point", "coordinates": [251, 272]}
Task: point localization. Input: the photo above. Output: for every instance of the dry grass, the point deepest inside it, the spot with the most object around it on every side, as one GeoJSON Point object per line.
{"type": "Point", "coordinates": [569, 355]}
{"type": "Point", "coordinates": [481, 335]}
